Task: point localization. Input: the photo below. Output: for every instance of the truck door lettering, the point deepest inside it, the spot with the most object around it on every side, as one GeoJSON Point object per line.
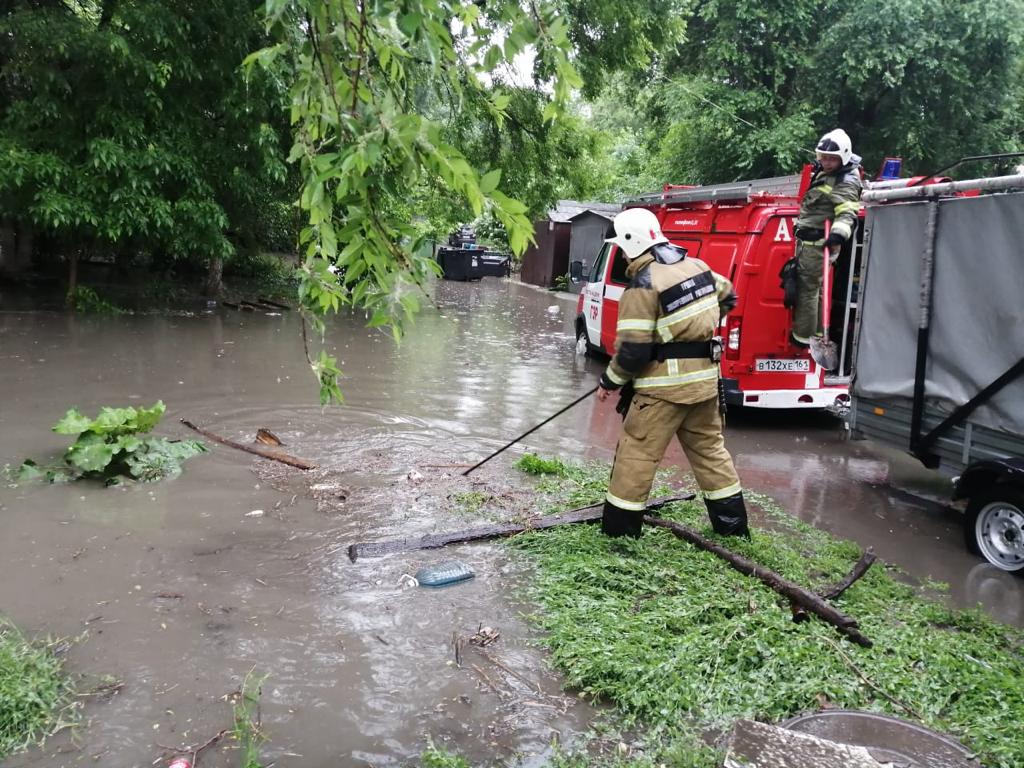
{"type": "Point", "coordinates": [782, 234]}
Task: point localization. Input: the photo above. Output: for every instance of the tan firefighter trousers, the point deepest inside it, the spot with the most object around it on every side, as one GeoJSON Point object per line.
{"type": "Point", "coordinates": [646, 433]}
{"type": "Point", "coordinates": [807, 315]}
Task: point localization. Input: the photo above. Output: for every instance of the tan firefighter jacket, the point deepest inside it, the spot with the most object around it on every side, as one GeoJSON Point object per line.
{"type": "Point", "coordinates": [831, 197]}
{"type": "Point", "coordinates": [668, 302]}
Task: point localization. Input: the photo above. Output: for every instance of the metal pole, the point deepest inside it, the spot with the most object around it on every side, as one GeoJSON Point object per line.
{"type": "Point", "coordinates": [991, 184]}
{"type": "Point", "coordinates": [924, 322]}
{"type": "Point", "coordinates": [579, 399]}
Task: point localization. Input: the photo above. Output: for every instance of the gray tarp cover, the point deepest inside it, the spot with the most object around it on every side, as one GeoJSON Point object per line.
{"type": "Point", "coordinates": [977, 324]}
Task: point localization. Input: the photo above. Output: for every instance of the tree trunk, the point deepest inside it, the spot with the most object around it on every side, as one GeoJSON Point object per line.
{"type": "Point", "coordinates": [26, 246]}
{"type": "Point", "coordinates": [69, 297]}
{"type": "Point", "coordinates": [214, 287]}
{"type": "Point", "coordinates": [8, 244]}
{"type": "Point", "coordinates": [107, 13]}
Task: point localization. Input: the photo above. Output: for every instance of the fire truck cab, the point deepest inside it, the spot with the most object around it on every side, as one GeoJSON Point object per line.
{"type": "Point", "coordinates": [743, 231]}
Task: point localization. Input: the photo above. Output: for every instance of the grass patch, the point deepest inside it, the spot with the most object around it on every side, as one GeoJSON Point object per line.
{"type": "Point", "coordinates": [247, 732]}
{"type": "Point", "coordinates": [532, 464]}
{"type": "Point", "coordinates": [682, 644]}
{"type": "Point", "coordinates": [34, 694]}
{"type": "Point", "coordinates": [470, 503]}
{"type": "Point", "coordinates": [436, 757]}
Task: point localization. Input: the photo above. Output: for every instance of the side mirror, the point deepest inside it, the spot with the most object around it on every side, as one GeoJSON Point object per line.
{"type": "Point", "coordinates": [576, 272]}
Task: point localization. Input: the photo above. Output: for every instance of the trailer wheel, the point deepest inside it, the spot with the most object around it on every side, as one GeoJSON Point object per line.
{"type": "Point", "coordinates": [994, 527]}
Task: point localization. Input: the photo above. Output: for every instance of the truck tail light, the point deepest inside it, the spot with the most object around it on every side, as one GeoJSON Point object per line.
{"type": "Point", "coordinates": [732, 338]}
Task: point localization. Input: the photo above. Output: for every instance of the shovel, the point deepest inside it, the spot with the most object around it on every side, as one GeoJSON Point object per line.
{"type": "Point", "coordinates": [823, 349]}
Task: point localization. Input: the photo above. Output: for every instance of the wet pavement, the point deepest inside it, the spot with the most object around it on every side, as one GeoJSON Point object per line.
{"type": "Point", "coordinates": [178, 590]}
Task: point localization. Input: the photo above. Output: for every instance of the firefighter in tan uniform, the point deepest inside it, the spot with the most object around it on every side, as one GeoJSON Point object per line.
{"type": "Point", "coordinates": [668, 317]}
{"type": "Point", "coordinates": [833, 196]}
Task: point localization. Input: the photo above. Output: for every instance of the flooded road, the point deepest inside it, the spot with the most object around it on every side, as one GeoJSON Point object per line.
{"type": "Point", "coordinates": [181, 588]}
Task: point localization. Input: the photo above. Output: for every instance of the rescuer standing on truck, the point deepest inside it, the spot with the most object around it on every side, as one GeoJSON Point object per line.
{"type": "Point", "coordinates": [665, 349]}
{"type": "Point", "coordinates": [833, 196]}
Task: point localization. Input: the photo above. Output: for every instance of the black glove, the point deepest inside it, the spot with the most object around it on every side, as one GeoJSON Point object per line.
{"type": "Point", "coordinates": [834, 238]}
{"type": "Point", "coordinates": [625, 399]}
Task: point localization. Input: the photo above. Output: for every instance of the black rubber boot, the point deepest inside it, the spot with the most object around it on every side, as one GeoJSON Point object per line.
{"type": "Point", "coordinates": [617, 521]}
{"type": "Point", "coordinates": [728, 516]}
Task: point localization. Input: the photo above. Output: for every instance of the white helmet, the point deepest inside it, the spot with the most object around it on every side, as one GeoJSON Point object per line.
{"type": "Point", "coordinates": [836, 143]}
{"type": "Point", "coordinates": [636, 230]}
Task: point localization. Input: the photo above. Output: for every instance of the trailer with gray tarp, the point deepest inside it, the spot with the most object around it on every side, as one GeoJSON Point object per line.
{"type": "Point", "coordinates": [939, 345]}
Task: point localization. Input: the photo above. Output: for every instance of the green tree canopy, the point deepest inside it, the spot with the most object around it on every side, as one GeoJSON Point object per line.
{"type": "Point", "coordinates": [126, 125]}
{"type": "Point", "coordinates": [754, 83]}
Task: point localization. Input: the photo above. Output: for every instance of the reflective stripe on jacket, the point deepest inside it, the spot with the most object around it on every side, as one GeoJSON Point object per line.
{"type": "Point", "coordinates": [667, 302]}
{"type": "Point", "coordinates": [832, 197]}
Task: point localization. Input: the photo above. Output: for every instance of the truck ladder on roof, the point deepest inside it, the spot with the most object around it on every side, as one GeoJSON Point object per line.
{"type": "Point", "coordinates": [789, 186]}
{"type": "Point", "coordinates": [782, 186]}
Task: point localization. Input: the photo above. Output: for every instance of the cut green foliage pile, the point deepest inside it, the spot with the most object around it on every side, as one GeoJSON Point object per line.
{"type": "Point", "coordinates": [33, 691]}
{"type": "Point", "coordinates": [532, 464]}
{"type": "Point", "coordinates": [108, 448]}
{"type": "Point", "coordinates": [683, 644]}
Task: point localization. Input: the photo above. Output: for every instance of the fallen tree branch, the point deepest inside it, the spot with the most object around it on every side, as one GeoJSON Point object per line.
{"type": "Point", "coordinates": [284, 458]}
{"type": "Point", "coordinates": [436, 540]}
{"type": "Point", "coordinates": [784, 587]}
{"type": "Point", "coordinates": [867, 681]}
{"type": "Point", "coordinates": [859, 569]}
{"type": "Point", "coordinates": [195, 749]}
{"type": "Point", "coordinates": [274, 304]}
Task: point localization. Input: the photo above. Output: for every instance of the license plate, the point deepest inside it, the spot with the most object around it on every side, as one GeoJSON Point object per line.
{"type": "Point", "coordinates": [784, 366]}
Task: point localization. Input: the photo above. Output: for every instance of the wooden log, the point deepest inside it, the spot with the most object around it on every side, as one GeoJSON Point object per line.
{"type": "Point", "coordinates": [436, 540]}
{"type": "Point", "coordinates": [757, 745]}
{"type": "Point", "coordinates": [273, 304]}
{"type": "Point", "coordinates": [284, 458]}
{"type": "Point", "coordinates": [859, 569]}
{"type": "Point", "coordinates": [786, 588]}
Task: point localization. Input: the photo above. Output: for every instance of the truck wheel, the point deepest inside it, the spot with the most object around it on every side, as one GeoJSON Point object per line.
{"type": "Point", "coordinates": [994, 527]}
{"type": "Point", "coordinates": [583, 345]}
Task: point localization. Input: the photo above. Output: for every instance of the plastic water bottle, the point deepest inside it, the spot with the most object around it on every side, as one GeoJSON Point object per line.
{"type": "Point", "coordinates": [439, 575]}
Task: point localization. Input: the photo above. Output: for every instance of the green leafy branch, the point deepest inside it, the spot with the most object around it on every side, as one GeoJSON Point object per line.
{"type": "Point", "coordinates": [362, 143]}
{"type": "Point", "coordinates": [109, 448]}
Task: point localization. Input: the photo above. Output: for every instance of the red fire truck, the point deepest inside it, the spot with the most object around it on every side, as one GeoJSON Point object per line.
{"type": "Point", "coordinates": [743, 231]}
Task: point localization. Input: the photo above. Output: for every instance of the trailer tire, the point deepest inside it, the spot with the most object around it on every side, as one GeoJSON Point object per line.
{"type": "Point", "coordinates": [994, 527]}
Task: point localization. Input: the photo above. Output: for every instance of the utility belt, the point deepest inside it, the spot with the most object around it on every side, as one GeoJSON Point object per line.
{"type": "Point", "coordinates": [679, 350]}
{"type": "Point", "coordinates": [808, 234]}
{"type": "Point", "coordinates": [697, 350]}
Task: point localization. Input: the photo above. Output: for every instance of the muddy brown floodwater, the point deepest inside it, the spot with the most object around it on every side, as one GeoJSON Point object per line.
{"type": "Point", "coordinates": [180, 588]}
